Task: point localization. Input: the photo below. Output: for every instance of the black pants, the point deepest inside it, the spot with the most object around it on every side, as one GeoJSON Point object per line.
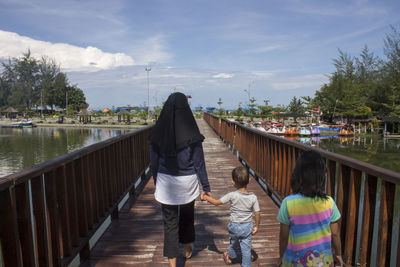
{"type": "Point", "coordinates": [178, 227]}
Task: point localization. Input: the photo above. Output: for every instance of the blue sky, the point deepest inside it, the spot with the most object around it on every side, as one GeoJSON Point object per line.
{"type": "Point", "coordinates": [209, 49]}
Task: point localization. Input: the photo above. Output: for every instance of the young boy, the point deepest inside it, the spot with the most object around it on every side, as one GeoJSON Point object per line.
{"type": "Point", "coordinates": [240, 227]}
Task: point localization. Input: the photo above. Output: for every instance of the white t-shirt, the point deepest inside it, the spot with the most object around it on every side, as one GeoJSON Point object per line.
{"type": "Point", "coordinates": [242, 206]}
{"type": "Point", "coordinates": [176, 190]}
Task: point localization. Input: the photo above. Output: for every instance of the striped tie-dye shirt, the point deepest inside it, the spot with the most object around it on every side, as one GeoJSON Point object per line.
{"type": "Point", "coordinates": [309, 219]}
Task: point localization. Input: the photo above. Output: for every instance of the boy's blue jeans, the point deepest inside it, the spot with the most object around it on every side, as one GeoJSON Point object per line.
{"type": "Point", "coordinates": [240, 233]}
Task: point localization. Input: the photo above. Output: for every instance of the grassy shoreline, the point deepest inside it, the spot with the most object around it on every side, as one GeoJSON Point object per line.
{"type": "Point", "coordinates": [111, 122]}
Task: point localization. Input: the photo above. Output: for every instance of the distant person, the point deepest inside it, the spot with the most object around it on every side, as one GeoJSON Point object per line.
{"type": "Point", "coordinates": [309, 217]}
{"type": "Point", "coordinates": [242, 206]}
{"type": "Point", "coordinates": [177, 166]}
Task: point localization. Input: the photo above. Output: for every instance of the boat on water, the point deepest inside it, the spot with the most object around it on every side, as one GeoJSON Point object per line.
{"type": "Point", "coordinates": [277, 129]}
{"type": "Point", "coordinates": [341, 130]}
{"type": "Point", "coordinates": [292, 131]}
{"type": "Point", "coordinates": [305, 131]}
{"type": "Point", "coordinates": [315, 130]}
{"type": "Point", "coordinates": [23, 124]}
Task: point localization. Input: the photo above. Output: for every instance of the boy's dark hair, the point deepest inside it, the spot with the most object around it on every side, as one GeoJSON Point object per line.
{"type": "Point", "coordinates": [308, 177]}
{"type": "Point", "coordinates": [240, 176]}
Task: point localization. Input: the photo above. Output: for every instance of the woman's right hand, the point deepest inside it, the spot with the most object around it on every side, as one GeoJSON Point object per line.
{"type": "Point", "coordinates": [203, 194]}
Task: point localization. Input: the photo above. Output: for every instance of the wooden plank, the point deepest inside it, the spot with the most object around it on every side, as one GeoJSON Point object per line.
{"type": "Point", "coordinates": [395, 249]}
{"type": "Point", "coordinates": [353, 198]}
{"type": "Point", "coordinates": [9, 235]}
{"type": "Point", "coordinates": [105, 174]}
{"type": "Point", "coordinates": [94, 182]}
{"type": "Point", "coordinates": [100, 185]}
{"type": "Point", "coordinates": [64, 210]}
{"type": "Point", "coordinates": [40, 215]}
{"type": "Point", "coordinates": [53, 217]}
{"type": "Point", "coordinates": [109, 176]}
{"type": "Point", "coordinates": [280, 167]}
{"type": "Point", "coordinates": [276, 166]}
{"type": "Point", "coordinates": [341, 201]}
{"type": "Point", "coordinates": [269, 161]}
{"type": "Point", "coordinates": [72, 203]}
{"type": "Point", "coordinates": [88, 191]}
{"type": "Point", "coordinates": [113, 177]}
{"type": "Point", "coordinates": [367, 225]}
{"type": "Point", "coordinates": [136, 238]}
{"type": "Point", "coordinates": [81, 198]}
{"type": "Point", "coordinates": [385, 222]}
{"type": "Point", "coordinates": [25, 223]}
{"type": "Point", "coordinates": [331, 177]}
{"type": "Point", "coordinates": [285, 166]}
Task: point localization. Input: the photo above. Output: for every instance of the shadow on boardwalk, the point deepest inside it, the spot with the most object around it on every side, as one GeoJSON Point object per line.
{"type": "Point", "coordinates": [136, 237]}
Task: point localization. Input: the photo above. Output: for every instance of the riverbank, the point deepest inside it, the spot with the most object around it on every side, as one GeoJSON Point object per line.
{"type": "Point", "coordinates": [108, 122]}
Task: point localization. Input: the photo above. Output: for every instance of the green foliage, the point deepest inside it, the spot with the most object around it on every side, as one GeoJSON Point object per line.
{"type": "Point", "coordinates": [76, 98]}
{"type": "Point", "coordinates": [266, 109]}
{"type": "Point", "coordinates": [296, 106]}
{"type": "Point", "coordinates": [27, 82]}
{"type": "Point", "coordinates": [239, 111]}
{"type": "Point", "coordinates": [70, 111]}
{"type": "Point", "coordinates": [365, 85]}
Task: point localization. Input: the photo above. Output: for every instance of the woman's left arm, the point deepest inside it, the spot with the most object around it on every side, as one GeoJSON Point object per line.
{"type": "Point", "coordinates": [200, 166]}
{"type": "Point", "coordinates": [154, 155]}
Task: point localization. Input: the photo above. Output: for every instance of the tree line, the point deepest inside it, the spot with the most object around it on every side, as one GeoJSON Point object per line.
{"type": "Point", "coordinates": [365, 85]}
{"type": "Point", "coordinates": [27, 83]}
{"type": "Point", "coordinates": [360, 86]}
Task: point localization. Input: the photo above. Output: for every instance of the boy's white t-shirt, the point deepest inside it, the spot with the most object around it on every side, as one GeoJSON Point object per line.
{"type": "Point", "coordinates": [242, 206]}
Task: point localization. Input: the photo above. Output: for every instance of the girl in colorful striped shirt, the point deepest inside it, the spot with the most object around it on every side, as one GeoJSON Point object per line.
{"type": "Point", "coordinates": [309, 228]}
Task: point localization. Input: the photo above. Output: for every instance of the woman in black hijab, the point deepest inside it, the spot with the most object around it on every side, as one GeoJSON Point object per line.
{"type": "Point", "coordinates": [177, 166]}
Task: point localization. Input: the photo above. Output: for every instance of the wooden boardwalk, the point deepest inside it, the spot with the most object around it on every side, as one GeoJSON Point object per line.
{"type": "Point", "coordinates": [136, 237]}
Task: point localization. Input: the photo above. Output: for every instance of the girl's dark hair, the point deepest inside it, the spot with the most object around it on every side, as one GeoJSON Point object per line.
{"type": "Point", "coordinates": [308, 177]}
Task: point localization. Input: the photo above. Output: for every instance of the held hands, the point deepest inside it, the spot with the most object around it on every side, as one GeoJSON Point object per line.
{"type": "Point", "coordinates": [204, 195]}
{"type": "Point", "coordinates": [255, 230]}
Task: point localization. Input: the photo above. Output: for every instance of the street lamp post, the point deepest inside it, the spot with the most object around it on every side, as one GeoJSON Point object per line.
{"type": "Point", "coordinates": [248, 90]}
{"type": "Point", "coordinates": [148, 91]}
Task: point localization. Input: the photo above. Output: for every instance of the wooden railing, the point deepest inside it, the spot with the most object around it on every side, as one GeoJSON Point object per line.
{"type": "Point", "coordinates": [367, 196]}
{"type": "Point", "coordinates": [50, 214]}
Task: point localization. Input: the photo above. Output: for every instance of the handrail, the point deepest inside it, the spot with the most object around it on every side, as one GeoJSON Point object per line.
{"type": "Point", "coordinates": [51, 211]}
{"type": "Point", "coordinates": [367, 196]}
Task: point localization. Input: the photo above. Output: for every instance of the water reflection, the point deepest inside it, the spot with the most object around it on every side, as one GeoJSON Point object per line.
{"type": "Point", "coordinates": [24, 148]}
{"type": "Point", "coordinates": [372, 149]}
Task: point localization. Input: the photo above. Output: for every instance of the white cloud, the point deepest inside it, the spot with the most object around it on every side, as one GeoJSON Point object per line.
{"type": "Point", "coordinates": [152, 50]}
{"type": "Point", "coordinates": [297, 82]}
{"type": "Point", "coordinates": [70, 57]}
{"type": "Point", "coordinates": [355, 8]}
{"type": "Point", "coordinates": [263, 75]}
{"type": "Point", "coordinates": [223, 76]}
{"type": "Point", "coordinates": [263, 49]}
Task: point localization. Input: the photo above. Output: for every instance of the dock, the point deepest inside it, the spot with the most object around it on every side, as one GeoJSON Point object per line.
{"type": "Point", "coordinates": [136, 237]}
{"type": "Point", "coordinates": [95, 206]}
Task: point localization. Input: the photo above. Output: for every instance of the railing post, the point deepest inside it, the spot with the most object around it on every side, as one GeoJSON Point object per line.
{"type": "Point", "coordinates": [72, 202]}
{"type": "Point", "coordinates": [9, 230]}
{"type": "Point", "coordinates": [51, 202]}
{"type": "Point", "coordinates": [369, 225]}
{"type": "Point", "coordinates": [25, 223]}
{"type": "Point", "coordinates": [39, 211]}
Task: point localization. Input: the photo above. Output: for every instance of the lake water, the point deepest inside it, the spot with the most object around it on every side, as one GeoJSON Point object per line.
{"type": "Point", "coordinates": [371, 148]}
{"type": "Point", "coordinates": [24, 148]}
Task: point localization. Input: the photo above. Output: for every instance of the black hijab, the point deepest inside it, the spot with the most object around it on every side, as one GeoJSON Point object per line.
{"type": "Point", "coordinates": [176, 127]}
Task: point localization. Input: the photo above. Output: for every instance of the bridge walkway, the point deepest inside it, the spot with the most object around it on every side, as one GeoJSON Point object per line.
{"type": "Point", "coordinates": [136, 237]}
